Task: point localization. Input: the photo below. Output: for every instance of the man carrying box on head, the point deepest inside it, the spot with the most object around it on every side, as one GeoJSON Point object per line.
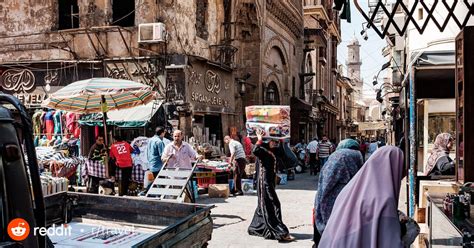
{"type": "Point", "coordinates": [237, 157]}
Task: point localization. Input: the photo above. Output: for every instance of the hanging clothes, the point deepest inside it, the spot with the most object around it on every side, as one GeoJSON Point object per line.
{"type": "Point", "coordinates": [37, 123]}
{"type": "Point", "coordinates": [72, 125]}
{"type": "Point", "coordinates": [43, 141]}
{"type": "Point", "coordinates": [71, 121]}
{"type": "Point", "coordinates": [96, 132]}
{"type": "Point", "coordinates": [49, 122]}
{"type": "Point", "coordinates": [57, 122]}
{"type": "Point", "coordinates": [42, 121]}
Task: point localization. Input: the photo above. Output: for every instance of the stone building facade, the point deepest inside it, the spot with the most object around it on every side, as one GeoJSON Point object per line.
{"type": "Point", "coordinates": [321, 38]}
{"type": "Point", "coordinates": [209, 52]}
{"type": "Point", "coordinates": [269, 37]}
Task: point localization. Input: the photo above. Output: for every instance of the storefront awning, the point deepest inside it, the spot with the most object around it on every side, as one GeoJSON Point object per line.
{"type": "Point", "coordinates": [365, 126]}
{"type": "Point", "coordinates": [436, 58]}
{"type": "Point", "coordinates": [133, 117]}
{"type": "Point", "coordinates": [299, 104]}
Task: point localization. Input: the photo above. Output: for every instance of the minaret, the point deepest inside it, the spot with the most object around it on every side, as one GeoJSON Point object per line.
{"type": "Point", "coordinates": [353, 65]}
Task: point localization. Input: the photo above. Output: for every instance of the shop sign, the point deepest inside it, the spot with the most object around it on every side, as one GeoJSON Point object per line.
{"type": "Point", "coordinates": [150, 72]}
{"type": "Point", "coordinates": [18, 80]}
{"type": "Point", "coordinates": [367, 126]}
{"type": "Point", "coordinates": [210, 88]}
{"type": "Point", "coordinates": [21, 83]}
{"type": "Point", "coordinates": [31, 99]}
{"type": "Point", "coordinates": [210, 100]}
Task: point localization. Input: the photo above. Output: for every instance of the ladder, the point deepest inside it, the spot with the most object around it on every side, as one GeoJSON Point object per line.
{"type": "Point", "coordinates": [170, 184]}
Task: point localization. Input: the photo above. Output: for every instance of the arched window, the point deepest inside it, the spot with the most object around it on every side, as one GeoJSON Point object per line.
{"type": "Point", "coordinates": [272, 96]}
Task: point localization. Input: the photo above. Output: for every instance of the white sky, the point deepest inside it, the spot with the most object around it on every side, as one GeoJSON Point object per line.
{"type": "Point", "coordinates": [371, 49]}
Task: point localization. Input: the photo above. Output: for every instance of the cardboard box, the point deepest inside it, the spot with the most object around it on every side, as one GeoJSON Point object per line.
{"type": "Point", "coordinates": [420, 215]}
{"type": "Point", "coordinates": [439, 186]}
{"type": "Point", "coordinates": [219, 191]}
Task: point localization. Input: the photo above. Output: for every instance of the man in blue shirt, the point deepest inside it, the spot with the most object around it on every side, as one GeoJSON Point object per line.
{"type": "Point", "coordinates": [155, 149]}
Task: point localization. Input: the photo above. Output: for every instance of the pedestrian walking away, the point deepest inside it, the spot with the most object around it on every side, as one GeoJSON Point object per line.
{"type": "Point", "coordinates": [312, 149]}
{"type": "Point", "coordinates": [365, 211]}
{"type": "Point", "coordinates": [341, 166]}
{"type": "Point", "coordinates": [267, 221]}
{"type": "Point", "coordinates": [237, 158]}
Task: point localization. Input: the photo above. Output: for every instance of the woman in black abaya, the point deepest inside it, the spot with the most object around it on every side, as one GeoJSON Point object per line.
{"type": "Point", "coordinates": [267, 221]}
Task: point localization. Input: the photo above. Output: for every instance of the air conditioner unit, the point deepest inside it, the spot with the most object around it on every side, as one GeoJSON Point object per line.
{"type": "Point", "coordinates": [151, 32]}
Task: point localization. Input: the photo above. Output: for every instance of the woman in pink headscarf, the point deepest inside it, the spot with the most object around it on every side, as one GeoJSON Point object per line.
{"type": "Point", "coordinates": [439, 162]}
{"type": "Point", "coordinates": [365, 212]}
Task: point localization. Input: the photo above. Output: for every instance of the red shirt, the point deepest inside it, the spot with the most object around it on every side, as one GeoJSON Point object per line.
{"type": "Point", "coordinates": [121, 152]}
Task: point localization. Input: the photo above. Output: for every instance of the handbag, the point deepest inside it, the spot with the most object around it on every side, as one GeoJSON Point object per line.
{"type": "Point", "coordinates": [409, 229]}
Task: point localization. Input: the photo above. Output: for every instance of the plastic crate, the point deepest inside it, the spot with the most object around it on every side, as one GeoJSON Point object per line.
{"type": "Point", "coordinates": [204, 179]}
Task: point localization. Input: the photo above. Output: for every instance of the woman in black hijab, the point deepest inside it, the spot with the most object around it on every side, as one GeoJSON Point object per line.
{"type": "Point", "coordinates": [267, 221]}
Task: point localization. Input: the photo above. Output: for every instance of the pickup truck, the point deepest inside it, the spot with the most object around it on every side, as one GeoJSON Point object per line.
{"type": "Point", "coordinates": [85, 220]}
{"type": "Point", "coordinates": [111, 221]}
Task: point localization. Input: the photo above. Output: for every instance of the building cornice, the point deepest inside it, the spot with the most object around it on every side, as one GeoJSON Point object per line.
{"type": "Point", "coordinates": [320, 13]}
{"type": "Point", "coordinates": [292, 21]}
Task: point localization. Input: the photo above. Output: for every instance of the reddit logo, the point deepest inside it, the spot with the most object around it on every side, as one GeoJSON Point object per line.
{"type": "Point", "coordinates": [18, 229]}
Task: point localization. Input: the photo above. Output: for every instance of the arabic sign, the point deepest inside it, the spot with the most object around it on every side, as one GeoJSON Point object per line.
{"type": "Point", "coordinates": [366, 126]}
{"type": "Point", "coordinates": [150, 72]}
{"type": "Point", "coordinates": [210, 88]}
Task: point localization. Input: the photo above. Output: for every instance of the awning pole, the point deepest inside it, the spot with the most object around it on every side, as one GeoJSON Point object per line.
{"type": "Point", "coordinates": [411, 171]}
{"type": "Point", "coordinates": [106, 138]}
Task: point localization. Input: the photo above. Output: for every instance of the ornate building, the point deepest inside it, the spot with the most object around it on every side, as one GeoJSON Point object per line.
{"type": "Point", "coordinates": [268, 35]}
{"type": "Point", "coordinates": [321, 38]}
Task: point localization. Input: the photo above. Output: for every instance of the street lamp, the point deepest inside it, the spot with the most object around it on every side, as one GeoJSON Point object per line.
{"type": "Point", "coordinates": [242, 87]}
{"type": "Point", "coordinates": [242, 81]}
{"type": "Point", "coordinates": [384, 66]}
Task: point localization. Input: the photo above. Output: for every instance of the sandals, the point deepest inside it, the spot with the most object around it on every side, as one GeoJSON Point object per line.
{"type": "Point", "coordinates": [286, 239]}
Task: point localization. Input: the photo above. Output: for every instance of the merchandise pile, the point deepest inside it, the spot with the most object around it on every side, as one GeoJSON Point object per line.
{"type": "Point", "coordinates": [52, 185]}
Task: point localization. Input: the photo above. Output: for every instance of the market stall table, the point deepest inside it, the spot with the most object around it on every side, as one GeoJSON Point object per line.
{"type": "Point", "coordinates": [97, 169]}
{"type": "Point", "coordinates": [443, 230]}
{"type": "Point", "coordinates": [212, 172]}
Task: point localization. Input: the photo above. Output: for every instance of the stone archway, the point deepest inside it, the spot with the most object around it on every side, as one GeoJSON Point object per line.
{"type": "Point", "coordinates": [275, 44]}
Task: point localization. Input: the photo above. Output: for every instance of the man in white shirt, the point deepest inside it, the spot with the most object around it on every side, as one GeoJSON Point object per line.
{"type": "Point", "coordinates": [237, 157]}
{"type": "Point", "coordinates": [179, 153]}
{"type": "Point", "coordinates": [312, 149]}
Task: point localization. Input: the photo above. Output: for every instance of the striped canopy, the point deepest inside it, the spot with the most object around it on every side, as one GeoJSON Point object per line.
{"type": "Point", "coordinates": [85, 96]}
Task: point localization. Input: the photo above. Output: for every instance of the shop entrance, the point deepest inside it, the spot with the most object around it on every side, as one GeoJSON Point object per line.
{"type": "Point", "coordinates": [214, 124]}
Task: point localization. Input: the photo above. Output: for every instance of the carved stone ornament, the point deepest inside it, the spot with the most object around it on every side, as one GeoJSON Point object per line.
{"type": "Point", "coordinates": [18, 80]}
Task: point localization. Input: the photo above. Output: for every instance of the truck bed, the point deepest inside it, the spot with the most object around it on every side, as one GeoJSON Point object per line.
{"type": "Point", "coordinates": [110, 221]}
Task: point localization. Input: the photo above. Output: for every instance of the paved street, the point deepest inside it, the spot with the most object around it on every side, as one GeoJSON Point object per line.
{"type": "Point", "coordinates": [232, 216]}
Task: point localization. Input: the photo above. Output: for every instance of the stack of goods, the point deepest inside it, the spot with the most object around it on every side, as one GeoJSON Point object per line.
{"type": "Point", "coordinates": [52, 185]}
{"type": "Point", "coordinates": [58, 162]}
{"type": "Point", "coordinates": [273, 120]}
{"type": "Point", "coordinates": [139, 155]}
{"type": "Point", "coordinates": [457, 207]}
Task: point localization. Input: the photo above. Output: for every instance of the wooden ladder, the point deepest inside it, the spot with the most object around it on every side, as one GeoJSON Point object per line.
{"type": "Point", "coordinates": [170, 184]}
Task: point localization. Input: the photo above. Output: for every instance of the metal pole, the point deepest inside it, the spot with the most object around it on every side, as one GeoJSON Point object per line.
{"type": "Point", "coordinates": [106, 138]}
{"type": "Point", "coordinates": [411, 171]}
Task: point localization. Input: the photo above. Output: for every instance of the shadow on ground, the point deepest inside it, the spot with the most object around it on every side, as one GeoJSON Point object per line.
{"type": "Point", "coordinates": [301, 182]}
{"type": "Point", "coordinates": [220, 217]}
